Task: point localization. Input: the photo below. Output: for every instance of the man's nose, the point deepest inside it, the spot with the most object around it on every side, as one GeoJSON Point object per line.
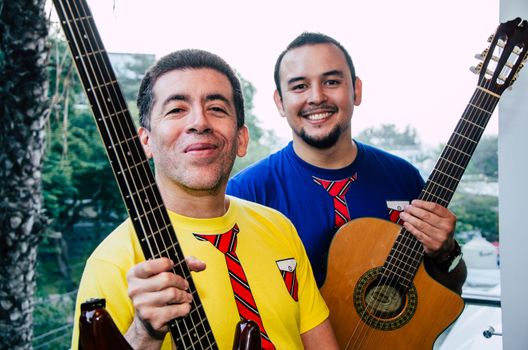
{"type": "Point", "coordinates": [198, 121]}
{"type": "Point", "coordinates": [317, 95]}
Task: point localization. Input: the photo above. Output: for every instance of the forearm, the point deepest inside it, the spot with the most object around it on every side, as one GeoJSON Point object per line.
{"type": "Point", "coordinates": [320, 337]}
{"type": "Point", "coordinates": [453, 280]}
{"type": "Point", "coordinates": [138, 337]}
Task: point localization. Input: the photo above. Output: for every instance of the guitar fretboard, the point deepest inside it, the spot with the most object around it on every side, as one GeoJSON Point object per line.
{"type": "Point", "coordinates": [407, 253]}
{"type": "Point", "coordinates": [129, 163]}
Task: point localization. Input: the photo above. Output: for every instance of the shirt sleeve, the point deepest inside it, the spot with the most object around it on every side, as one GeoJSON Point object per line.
{"type": "Point", "coordinates": [314, 310]}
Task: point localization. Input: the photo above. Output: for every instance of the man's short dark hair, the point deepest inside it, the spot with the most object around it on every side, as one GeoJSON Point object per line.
{"type": "Point", "coordinates": [309, 38]}
{"type": "Point", "coordinates": [180, 60]}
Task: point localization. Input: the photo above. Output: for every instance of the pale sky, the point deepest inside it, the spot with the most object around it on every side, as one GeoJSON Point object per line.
{"type": "Point", "coordinates": [412, 55]}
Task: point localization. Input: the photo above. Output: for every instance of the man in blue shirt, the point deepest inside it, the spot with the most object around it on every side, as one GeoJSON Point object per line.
{"type": "Point", "coordinates": [323, 178]}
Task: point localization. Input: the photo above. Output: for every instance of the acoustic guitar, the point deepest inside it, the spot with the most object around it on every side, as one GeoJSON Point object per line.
{"type": "Point", "coordinates": [377, 289]}
{"type": "Point", "coordinates": [134, 177]}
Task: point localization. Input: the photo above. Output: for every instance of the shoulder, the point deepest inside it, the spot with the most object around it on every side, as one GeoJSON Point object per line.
{"type": "Point", "coordinates": [373, 154]}
{"type": "Point", "coordinates": [120, 248]}
{"type": "Point", "coordinates": [260, 176]}
{"type": "Point", "coordinates": [256, 210]}
{"type": "Point", "coordinates": [266, 164]}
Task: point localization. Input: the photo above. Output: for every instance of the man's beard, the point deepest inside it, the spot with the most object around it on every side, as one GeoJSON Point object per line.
{"type": "Point", "coordinates": [324, 142]}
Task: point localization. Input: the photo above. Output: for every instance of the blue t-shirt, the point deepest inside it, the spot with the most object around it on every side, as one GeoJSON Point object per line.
{"type": "Point", "coordinates": [379, 185]}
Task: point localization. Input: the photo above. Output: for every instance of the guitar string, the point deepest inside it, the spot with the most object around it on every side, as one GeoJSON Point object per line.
{"type": "Point", "coordinates": [116, 149]}
{"type": "Point", "coordinates": [407, 235]}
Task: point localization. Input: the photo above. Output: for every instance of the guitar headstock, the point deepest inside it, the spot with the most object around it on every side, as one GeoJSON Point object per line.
{"type": "Point", "coordinates": [505, 56]}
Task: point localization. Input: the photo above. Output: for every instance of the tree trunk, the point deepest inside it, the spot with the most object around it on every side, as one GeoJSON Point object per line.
{"type": "Point", "coordinates": [23, 106]}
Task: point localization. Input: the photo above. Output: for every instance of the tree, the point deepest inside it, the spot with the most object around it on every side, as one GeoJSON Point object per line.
{"type": "Point", "coordinates": [23, 92]}
{"type": "Point", "coordinates": [387, 136]}
{"type": "Point", "coordinates": [485, 160]}
{"type": "Point", "coordinates": [261, 141]}
{"type": "Point", "coordinates": [477, 213]}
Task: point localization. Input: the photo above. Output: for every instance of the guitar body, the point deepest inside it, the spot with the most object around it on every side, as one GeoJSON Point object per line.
{"type": "Point", "coordinates": [389, 318]}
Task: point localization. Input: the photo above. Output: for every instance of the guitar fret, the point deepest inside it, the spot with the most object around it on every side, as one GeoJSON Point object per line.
{"type": "Point", "coordinates": [122, 142]}
{"type": "Point", "coordinates": [455, 164]}
{"type": "Point", "coordinates": [78, 19]}
{"type": "Point", "coordinates": [479, 108]}
{"type": "Point", "coordinates": [134, 166]}
{"type": "Point", "coordinates": [439, 185]}
{"type": "Point", "coordinates": [88, 54]}
{"type": "Point", "coordinates": [472, 123]}
{"type": "Point", "coordinates": [440, 199]}
{"type": "Point", "coordinates": [150, 211]}
{"type": "Point", "coordinates": [465, 137]}
{"type": "Point", "coordinates": [458, 150]}
{"type": "Point", "coordinates": [396, 260]}
{"type": "Point", "coordinates": [445, 174]}
{"type": "Point", "coordinates": [113, 114]}
{"type": "Point", "coordinates": [143, 189]}
{"type": "Point", "coordinates": [391, 274]}
{"type": "Point", "coordinates": [150, 235]}
{"type": "Point", "coordinates": [103, 85]}
{"type": "Point", "coordinates": [167, 249]}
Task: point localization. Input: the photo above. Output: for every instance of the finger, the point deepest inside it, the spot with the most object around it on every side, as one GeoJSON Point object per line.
{"type": "Point", "coordinates": [150, 268]}
{"type": "Point", "coordinates": [413, 218]}
{"type": "Point", "coordinates": [158, 317]}
{"type": "Point", "coordinates": [156, 283]}
{"type": "Point", "coordinates": [167, 296]}
{"type": "Point", "coordinates": [195, 264]}
{"type": "Point", "coordinates": [427, 242]}
{"type": "Point", "coordinates": [431, 207]}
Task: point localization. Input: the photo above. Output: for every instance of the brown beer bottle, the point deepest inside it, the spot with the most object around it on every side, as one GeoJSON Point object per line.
{"type": "Point", "coordinates": [97, 330]}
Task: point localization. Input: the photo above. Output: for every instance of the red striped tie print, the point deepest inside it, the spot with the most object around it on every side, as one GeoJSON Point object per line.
{"type": "Point", "coordinates": [246, 305]}
{"type": "Point", "coordinates": [338, 189]}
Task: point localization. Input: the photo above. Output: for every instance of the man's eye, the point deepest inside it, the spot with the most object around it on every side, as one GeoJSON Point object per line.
{"type": "Point", "coordinates": [218, 109]}
{"type": "Point", "coordinates": [298, 87]}
{"type": "Point", "coordinates": [332, 82]}
{"type": "Point", "coordinates": [175, 111]}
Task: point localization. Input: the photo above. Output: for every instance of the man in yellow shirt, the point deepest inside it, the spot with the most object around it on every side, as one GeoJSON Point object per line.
{"type": "Point", "coordinates": [192, 125]}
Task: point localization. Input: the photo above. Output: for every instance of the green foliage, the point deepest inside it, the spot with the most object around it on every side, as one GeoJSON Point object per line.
{"type": "Point", "coordinates": [262, 142]}
{"type": "Point", "coordinates": [54, 327]}
{"type": "Point", "coordinates": [387, 136]}
{"type": "Point", "coordinates": [130, 69]}
{"type": "Point", "coordinates": [477, 213]}
{"type": "Point", "coordinates": [485, 159]}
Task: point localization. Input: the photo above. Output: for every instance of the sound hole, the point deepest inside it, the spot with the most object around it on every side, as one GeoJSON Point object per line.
{"type": "Point", "coordinates": [384, 300]}
{"type": "Point", "coordinates": [383, 304]}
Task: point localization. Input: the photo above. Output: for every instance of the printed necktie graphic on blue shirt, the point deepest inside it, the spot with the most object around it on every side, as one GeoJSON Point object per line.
{"type": "Point", "coordinates": [395, 208]}
{"type": "Point", "coordinates": [338, 189]}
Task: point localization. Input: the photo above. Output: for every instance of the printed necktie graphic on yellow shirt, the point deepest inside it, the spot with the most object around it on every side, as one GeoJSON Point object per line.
{"type": "Point", "coordinates": [288, 269]}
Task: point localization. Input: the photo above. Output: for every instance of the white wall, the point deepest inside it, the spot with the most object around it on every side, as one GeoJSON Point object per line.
{"type": "Point", "coordinates": [513, 187]}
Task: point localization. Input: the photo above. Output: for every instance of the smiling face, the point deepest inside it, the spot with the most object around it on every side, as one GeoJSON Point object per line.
{"type": "Point", "coordinates": [193, 134]}
{"type": "Point", "coordinates": [318, 95]}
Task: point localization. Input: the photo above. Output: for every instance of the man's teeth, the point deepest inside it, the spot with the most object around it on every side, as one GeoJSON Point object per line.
{"type": "Point", "coordinates": [318, 116]}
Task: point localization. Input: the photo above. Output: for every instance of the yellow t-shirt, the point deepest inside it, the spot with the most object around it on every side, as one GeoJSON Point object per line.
{"type": "Point", "coordinates": [268, 244]}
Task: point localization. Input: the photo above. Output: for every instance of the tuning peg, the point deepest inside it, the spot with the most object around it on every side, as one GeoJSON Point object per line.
{"type": "Point", "coordinates": [480, 56]}
{"type": "Point", "coordinates": [476, 69]}
{"type": "Point", "coordinates": [490, 39]}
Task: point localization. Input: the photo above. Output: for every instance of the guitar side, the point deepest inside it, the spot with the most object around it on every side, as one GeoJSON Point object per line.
{"type": "Point", "coordinates": [424, 315]}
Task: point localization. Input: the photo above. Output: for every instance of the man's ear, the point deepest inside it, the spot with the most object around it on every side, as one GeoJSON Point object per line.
{"type": "Point", "coordinates": [144, 138]}
{"type": "Point", "coordinates": [278, 103]}
{"type": "Point", "coordinates": [242, 141]}
{"type": "Point", "coordinates": [358, 91]}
